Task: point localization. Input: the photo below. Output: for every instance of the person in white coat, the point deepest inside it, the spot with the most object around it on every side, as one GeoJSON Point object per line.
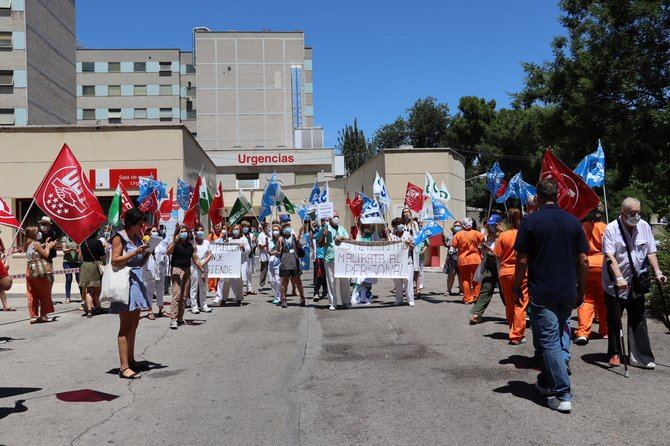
{"type": "Point", "coordinates": [274, 262]}
{"type": "Point", "coordinates": [151, 276]}
{"type": "Point", "coordinates": [198, 276]}
{"type": "Point", "coordinates": [251, 265]}
{"type": "Point", "coordinates": [235, 284]}
{"type": "Point", "coordinates": [400, 234]}
{"type": "Point", "coordinates": [163, 262]}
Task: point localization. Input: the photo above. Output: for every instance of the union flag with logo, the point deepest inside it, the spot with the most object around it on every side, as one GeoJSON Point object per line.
{"type": "Point", "coordinates": [6, 216]}
{"type": "Point", "coordinates": [65, 196]}
{"type": "Point", "coordinates": [414, 197]}
{"type": "Point", "coordinates": [574, 195]}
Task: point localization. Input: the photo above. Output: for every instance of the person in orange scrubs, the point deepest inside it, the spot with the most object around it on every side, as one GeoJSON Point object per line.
{"type": "Point", "coordinates": [504, 251]}
{"type": "Point", "coordinates": [594, 295]}
{"type": "Point", "coordinates": [467, 243]}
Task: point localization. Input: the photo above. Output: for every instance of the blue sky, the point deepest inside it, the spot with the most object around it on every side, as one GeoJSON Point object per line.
{"type": "Point", "coordinates": [372, 58]}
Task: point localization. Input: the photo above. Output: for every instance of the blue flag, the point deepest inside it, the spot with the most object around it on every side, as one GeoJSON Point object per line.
{"type": "Point", "coordinates": [148, 185]}
{"type": "Point", "coordinates": [440, 211]}
{"type": "Point", "coordinates": [302, 212]}
{"type": "Point", "coordinates": [271, 195]}
{"type": "Point", "coordinates": [370, 212]}
{"type": "Point", "coordinates": [325, 195]}
{"type": "Point", "coordinates": [518, 188]}
{"type": "Point", "coordinates": [430, 229]}
{"type": "Point", "coordinates": [494, 178]}
{"type": "Point", "coordinates": [183, 193]}
{"type": "Point", "coordinates": [592, 168]}
{"type": "Point", "coordinates": [315, 195]}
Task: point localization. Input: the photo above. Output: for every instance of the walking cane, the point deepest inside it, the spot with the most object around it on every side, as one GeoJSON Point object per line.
{"type": "Point", "coordinates": [622, 344]}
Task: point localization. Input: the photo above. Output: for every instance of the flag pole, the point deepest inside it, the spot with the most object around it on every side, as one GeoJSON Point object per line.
{"type": "Point", "coordinates": [607, 216]}
{"type": "Point", "coordinates": [18, 230]}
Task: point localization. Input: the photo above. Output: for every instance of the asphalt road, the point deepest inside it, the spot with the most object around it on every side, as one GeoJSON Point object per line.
{"type": "Point", "coordinates": [259, 374]}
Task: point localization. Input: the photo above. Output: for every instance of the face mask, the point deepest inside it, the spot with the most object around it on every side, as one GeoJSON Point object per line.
{"type": "Point", "coordinates": [39, 235]}
{"type": "Point", "coordinates": [106, 234]}
{"type": "Point", "coordinates": [335, 220]}
{"type": "Point", "coordinates": [275, 233]}
{"type": "Point", "coordinates": [366, 231]}
{"type": "Point", "coordinates": [236, 233]}
{"type": "Point", "coordinates": [44, 228]}
{"type": "Point", "coordinates": [200, 234]}
{"type": "Point", "coordinates": [456, 229]}
{"type": "Point", "coordinates": [245, 230]}
{"type": "Point", "coordinates": [154, 233]}
{"type": "Point", "coordinates": [406, 217]}
{"type": "Point", "coordinates": [633, 220]}
{"type": "Point", "coordinates": [287, 231]}
{"type": "Point", "coordinates": [400, 228]}
{"type": "Point", "coordinates": [183, 235]}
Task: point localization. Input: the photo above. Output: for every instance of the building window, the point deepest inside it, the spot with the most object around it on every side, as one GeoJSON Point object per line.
{"type": "Point", "coordinates": [140, 113]}
{"type": "Point", "coordinates": [140, 67]}
{"type": "Point", "coordinates": [165, 114]}
{"type": "Point", "coordinates": [190, 69]}
{"type": "Point", "coordinates": [6, 78]}
{"type": "Point", "coordinates": [5, 40]}
{"type": "Point", "coordinates": [88, 90]}
{"type": "Point", "coordinates": [190, 114]}
{"type": "Point", "coordinates": [5, 4]}
{"type": "Point", "coordinates": [140, 90]}
{"type": "Point", "coordinates": [165, 90]}
{"type": "Point", "coordinates": [190, 91]}
{"type": "Point", "coordinates": [165, 69]}
{"type": "Point", "coordinates": [189, 105]}
{"type": "Point", "coordinates": [114, 116]}
{"type": "Point", "coordinates": [246, 181]}
{"type": "Point", "coordinates": [88, 114]}
{"type": "Point", "coordinates": [114, 67]}
{"type": "Point", "coordinates": [6, 116]}
{"type": "Point", "coordinates": [88, 67]}
{"type": "Point", "coordinates": [114, 90]}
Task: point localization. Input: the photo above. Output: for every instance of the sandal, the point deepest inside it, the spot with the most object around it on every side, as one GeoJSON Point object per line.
{"type": "Point", "coordinates": [45, 319]}
{"type": "Point", "coordinates": [33, 321]}
{"type": "Point", "coordinates": [151, 317]}
{"type": "Point", "coordinates": [89, 314]}
{"type": "Point", "coordinates": [133, 375]}
{"type": "Point", "coordinates": [9, 309]}
{"type": "Point", "coordinates": [302, 303]}
{"type": "Point", "coordinates": [164, 314]}
{"type": "Point", "coordinates": [284, 304]}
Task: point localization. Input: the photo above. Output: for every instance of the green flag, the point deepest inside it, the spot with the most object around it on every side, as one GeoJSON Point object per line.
{"type": "Point", "coordinates": [239, 210]}
{"type": "Point", "coordinates": [114, 216]}
{"type": "Point", "coordinates": [205, 197]}
{"type": "Point", "coordinates": [288, 205]}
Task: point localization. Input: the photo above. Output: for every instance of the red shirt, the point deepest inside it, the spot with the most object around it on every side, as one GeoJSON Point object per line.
{"type": "Point", "coordinates": [3, 270]}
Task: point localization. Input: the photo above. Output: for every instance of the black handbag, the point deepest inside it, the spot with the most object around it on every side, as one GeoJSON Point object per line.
{"type": "Point", "coordinates": [641, 280]}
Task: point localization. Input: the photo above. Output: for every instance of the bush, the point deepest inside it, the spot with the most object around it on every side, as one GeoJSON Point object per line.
{"type": "Point", "coordinates": [658, 306]}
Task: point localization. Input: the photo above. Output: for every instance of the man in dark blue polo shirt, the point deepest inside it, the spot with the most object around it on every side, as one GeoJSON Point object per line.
{"type": "Point", "coordinates": [552, 247]}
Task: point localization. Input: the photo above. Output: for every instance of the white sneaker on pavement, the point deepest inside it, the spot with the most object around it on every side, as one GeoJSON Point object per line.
{"type": "Point", "coordinates": [173, 324]}
{"type": "Point", "coordinates": [581, 340]}
{"type": "Point", "coordinates": [195, 310]}
{"type": "Point", "coordinates": [332, 308]}
{"type": "Point", "coordinates": [206, 309]}
{"type": "Point", "coordinates": [561, 406]}
{"type": "Point", "coordinates": [411, 304]}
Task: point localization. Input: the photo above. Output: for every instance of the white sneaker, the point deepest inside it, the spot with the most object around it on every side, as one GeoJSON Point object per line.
{"type": "Point", "coordinates": [206, 309]}
{"type": "Point", "coordinates": [581, 340]}
{"type": "Point", "coordinates": [544, 391]}
{"type": "Point", "coordinates": [561, 406]}
{"type": "Point", "coordinates": [195, 310]}
{"type": "Point", "coordinates": [332, 308]}
{"type": "Point", "coordinates": [216, 301]}
{"type": "Point", "coordinates": [411, 304]}
{"type": "Point", "coordinates": [650, 366]}
{"type": "Point", "coordinates": [173, 324]}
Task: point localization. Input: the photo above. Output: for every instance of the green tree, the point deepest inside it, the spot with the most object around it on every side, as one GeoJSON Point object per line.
{"type": "Point", "coordinates": [469, 125]}
{"type": "Point", "coordinates": [428, 123]}
{"type": "Point", "coordinates": [391, 135]}
{"type": "Point", "coordinates": [354, 147]}
{"type": "Point", "coordinates": [609, 79]}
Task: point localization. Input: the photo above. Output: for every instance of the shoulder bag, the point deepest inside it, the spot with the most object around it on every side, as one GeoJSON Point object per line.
{"type": "Point", "coordinates": [116, 281]}
{"type": "Point", "coordinates": [39, 268]}
{"type": "Point", "coordinates": [641, 279]}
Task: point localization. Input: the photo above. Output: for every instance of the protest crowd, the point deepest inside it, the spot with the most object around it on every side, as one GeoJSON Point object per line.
{"type": "Point", "coordinates": [547, 256]}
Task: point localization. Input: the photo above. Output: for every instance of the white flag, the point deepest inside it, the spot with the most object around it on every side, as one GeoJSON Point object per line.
{"type": "Point", "coordinates": [444, 193]}
{"type": "Point", "coordinates": [379, 188]}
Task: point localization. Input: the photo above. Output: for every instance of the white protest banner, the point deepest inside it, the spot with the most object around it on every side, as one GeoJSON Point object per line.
{"type": "Point", "coordinates": [225, 262]}
{"type": "Point", "coordinates": [324, 210]}
{"type": "Point", "coordinates": [384, 260]}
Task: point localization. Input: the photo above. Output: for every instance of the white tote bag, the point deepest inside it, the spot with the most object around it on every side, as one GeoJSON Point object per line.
{"type": "Point", "coordinates": [479, 273]}
{"type": "Point", "coordinates": [116, 284]}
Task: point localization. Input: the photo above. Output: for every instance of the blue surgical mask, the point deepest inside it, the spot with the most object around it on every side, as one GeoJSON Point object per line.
{"type": "Point", "coordinates": [236, 232]}
{"type": "Point", "coordinates": [245, 230]}
{"type": "Point", "coordinates": [183, 235]}
{"type": "Point", "coordinates": [200, 234]}
{"type": "Point", "coordinates": [287, 231]}
{"type": "Point", "coordinates": [154, 233]}
{"type": "Point", "coordinates": [456, 229]}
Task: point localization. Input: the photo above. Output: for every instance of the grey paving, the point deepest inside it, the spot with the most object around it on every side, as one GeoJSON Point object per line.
{"type": "Point", "coordinates": [263, 375]}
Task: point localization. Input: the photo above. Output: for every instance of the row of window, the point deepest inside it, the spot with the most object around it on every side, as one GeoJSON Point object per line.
{"type": "Point", "coordinates": [11, 116]}
{"type": "Point", "coordinates": [136, 90]}
{"type": "Point", "coordinates": [114, 115]}
{"type": "Point", "coordinates": [163, 68]}
{"type": "Point", "coordinates": [16, 5]}
{"type": "Point", "coordinates": [12, 40]}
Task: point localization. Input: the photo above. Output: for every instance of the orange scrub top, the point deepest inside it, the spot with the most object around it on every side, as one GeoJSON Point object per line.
{"type": "Point", "coordinates": [594, 231]}
{"type": "Point", "coordinates": [467, 242]}
{"type": "Point", "coordinates": [504, 251]}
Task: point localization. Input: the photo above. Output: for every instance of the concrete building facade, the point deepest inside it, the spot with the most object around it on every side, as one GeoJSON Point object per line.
{"type": "Point", "coordinates": [135, 86]}
{"type": "Point", "coordinates": [37, 50]}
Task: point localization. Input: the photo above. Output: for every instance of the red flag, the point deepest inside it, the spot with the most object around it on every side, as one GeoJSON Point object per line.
{"type": "Point", "coordinates": [574, 195]}
{"type": "Point", "coordinates": [355, 205]}
{"type": "Point", "coordinates": [502, 189]}
{"type": "Point", "coordinates": [66, 197]}
{"type": "Point", "coordinates": [216, 207]}
{"type": "Point", "coordinates": [166, 207]}
{"type": "Point", "coordinates": [414, 197]}
{"type": "Point", "coordinates": [126, 202]}
{"type": "Point", "coordinates": [6, 216]}
{"type": "Point", "coordinates": [191, 214]}
{"type": "Point", "coordinates": [150, 205]}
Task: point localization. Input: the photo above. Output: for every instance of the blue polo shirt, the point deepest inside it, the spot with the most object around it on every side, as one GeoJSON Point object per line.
{"type": "Point", "coordinates": [553, 239]}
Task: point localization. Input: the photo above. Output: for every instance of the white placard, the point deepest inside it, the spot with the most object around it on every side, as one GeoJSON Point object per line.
{"type": "Point", "coordinates": [324, 210]}
{"type": "Point", "coordinates": [225, 262]}
{"type": "Point", "coordinates": [385, 260]}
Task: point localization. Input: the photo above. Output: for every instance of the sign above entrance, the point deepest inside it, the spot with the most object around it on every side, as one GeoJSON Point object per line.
{"type": "Point", "coordinates": [109, 178]}
{"type": "Point", "coordinates": [250, 161]}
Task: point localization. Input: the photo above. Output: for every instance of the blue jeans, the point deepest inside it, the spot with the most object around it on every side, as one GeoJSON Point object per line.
{"type": "Point", "coordinates": [566, 339]}
{"type": "Point", "coordinates": [68, 278]}
{"type": "Point", "coordinates": [549, 321]}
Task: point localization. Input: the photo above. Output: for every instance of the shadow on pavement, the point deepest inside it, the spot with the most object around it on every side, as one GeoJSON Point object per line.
{"type": "Point", "coordinates": [6, 392]}
{"type": "Point", "coordinates": [521, 389]}
{"type": "Point", "coordinates": [140, 366]}
{"type": "Point", "coordinates": [497, 335]}
{"type": "Point", "coordinates": [521, 362]}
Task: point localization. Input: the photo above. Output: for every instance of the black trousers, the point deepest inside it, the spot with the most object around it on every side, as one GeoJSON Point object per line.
{"type": "Point", "coordinates": [639, 347]}
{"type": "Point", "coordinates": [264, 273]}
{"type": "Point", "coordinates": [320, 282]}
